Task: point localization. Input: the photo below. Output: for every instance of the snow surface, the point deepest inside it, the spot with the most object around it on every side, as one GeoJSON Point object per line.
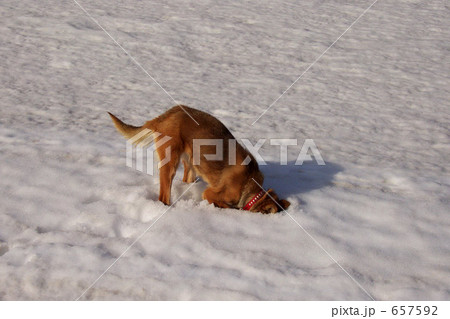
{"type": "Point", "coordinates": [376, 104]}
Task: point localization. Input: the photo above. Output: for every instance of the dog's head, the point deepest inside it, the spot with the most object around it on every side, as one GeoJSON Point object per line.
{"type": "Point", "coordinates": [270, 203]}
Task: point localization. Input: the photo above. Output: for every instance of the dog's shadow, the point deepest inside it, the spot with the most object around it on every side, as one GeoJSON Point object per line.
{"type": "Point", "coordinates": [292, 179]}
{"type": "Point", "coordinates": [286, 180]}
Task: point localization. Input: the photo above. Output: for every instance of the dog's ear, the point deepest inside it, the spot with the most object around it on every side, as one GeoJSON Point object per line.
{"type": "Point", "coordinates": [284, 203]}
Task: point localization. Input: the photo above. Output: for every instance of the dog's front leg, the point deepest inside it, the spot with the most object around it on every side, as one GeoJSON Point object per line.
{"type": "Point", "coordinates": [216, 198]}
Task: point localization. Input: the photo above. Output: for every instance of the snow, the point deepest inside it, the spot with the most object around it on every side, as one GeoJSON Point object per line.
{"type": "Point", "coordinates": [376, 105]}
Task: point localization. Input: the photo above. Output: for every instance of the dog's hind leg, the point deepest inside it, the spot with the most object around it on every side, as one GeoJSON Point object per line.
{"type": "Point", "coordinates": [167, 169]}
{"type": "Point", "coordinates": [189, 173]}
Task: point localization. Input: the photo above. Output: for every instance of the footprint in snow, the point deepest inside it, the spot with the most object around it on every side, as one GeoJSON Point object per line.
{"type": "Point", "coordinates": [3, 249]}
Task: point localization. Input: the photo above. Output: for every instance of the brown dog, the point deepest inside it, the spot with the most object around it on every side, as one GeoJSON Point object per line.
{"type": "Point", "coordinates": [230, 184]}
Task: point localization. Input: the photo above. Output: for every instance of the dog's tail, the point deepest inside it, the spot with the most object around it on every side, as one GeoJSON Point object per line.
{"type": "Point", "coordinates": [126, 130]}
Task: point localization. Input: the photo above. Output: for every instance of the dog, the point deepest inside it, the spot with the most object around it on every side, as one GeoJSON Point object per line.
{"type": "Point", "coordinates": [230, 185]}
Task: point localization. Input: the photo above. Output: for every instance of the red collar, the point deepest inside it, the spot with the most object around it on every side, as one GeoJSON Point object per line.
{"type": "Point", "coordinates": [253, 201]}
